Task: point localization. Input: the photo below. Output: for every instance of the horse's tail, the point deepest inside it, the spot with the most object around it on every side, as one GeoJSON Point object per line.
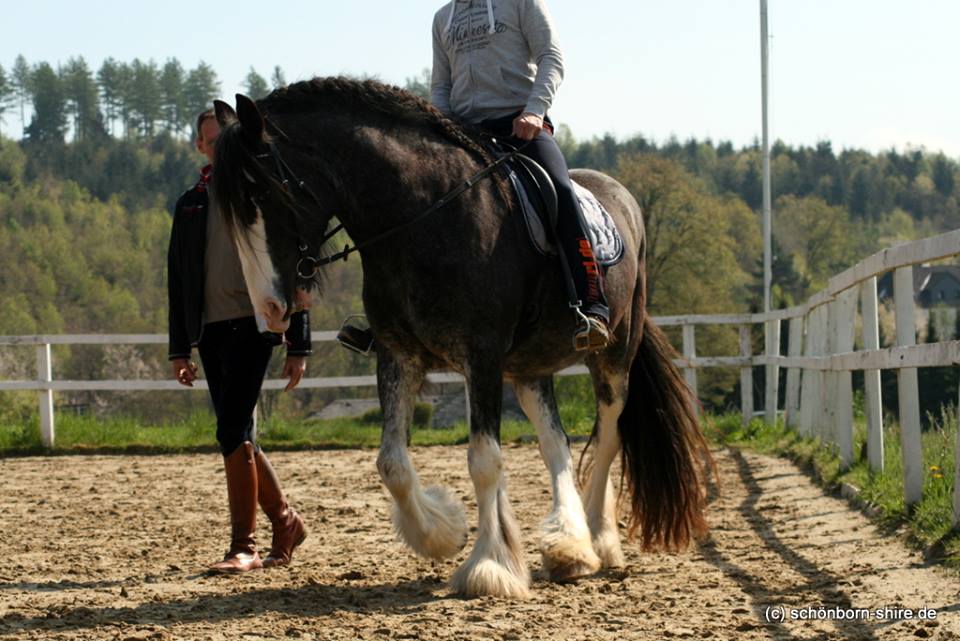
{"type": "Point", "coordinates": [665, 456]}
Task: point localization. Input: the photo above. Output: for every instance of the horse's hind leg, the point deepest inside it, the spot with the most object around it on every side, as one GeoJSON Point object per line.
{"type": "Point", "coordinates": [429, 520]}
{"type": "Point", "coordinates": [565, 543]}
{"type": "Point", "coordinates": [496, 566]}
{"type": "Point", "coordinates": [599, 499]}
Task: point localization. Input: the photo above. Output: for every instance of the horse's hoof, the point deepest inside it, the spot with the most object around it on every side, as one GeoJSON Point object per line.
{"type": "Point", "coordinates": [569, 561]}
{"type": "Point", "coordinates": [609, 550]}
{"type": "Point", "coordinates": [486, 577]}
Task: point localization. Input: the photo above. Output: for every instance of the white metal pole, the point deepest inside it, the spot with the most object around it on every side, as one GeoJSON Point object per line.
{"type": "Point", "coordinates": [45, 375]}
{"type": "Point", "coordinates": [767, 224]}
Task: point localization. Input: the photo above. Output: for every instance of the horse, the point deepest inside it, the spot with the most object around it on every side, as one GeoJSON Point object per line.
{"type": "Point", "coordinates": [452, 282]}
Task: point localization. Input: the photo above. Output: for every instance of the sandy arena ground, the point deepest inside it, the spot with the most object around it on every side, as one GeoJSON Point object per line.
{"type": "Point", "coordinates": [115, 548]}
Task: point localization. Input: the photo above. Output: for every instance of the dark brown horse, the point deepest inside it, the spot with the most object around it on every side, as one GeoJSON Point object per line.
{"type": "Point", "coordinates": [463, 289]}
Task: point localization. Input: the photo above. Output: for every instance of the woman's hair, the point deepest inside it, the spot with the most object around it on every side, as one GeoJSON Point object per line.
{"type": "Point", "coordinates": [206, 115]}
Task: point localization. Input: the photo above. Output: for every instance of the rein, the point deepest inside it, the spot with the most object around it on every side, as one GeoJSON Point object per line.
{"type": "Point", "coordinates": [314, 263]}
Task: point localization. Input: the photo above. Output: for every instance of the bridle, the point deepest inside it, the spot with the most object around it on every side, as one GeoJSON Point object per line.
{"type": "Point", "coordinates": [314, 263]}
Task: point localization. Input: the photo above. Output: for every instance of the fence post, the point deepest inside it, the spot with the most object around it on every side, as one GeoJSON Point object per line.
{"type": "Point", "coordinates": [809, 390]}
{"type": "Point", "coordinates": [45, 375]}
{"type": "Point", "coordinates": [956, 474]}
{"type": "Point", "coordinates": [846, 309]}
{"type": "Point", "coordinates": [690, 353]}
{"type": "Point", "coordinates": [871, 377]}
{"type": "Point", "coordinates": [907, 388]}
{"type": "Point", "coordinates": [831, 379]}
{"type": "Point", "coordinates": [772, 341]}
{"type": "Point", "coordinates": [794, 348]}
{"type": "Point", "coordinates": [746, 376]}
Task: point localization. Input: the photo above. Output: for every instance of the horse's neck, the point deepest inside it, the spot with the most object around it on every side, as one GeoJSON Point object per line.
{"type": "Point", "coordinates": [390, 178]}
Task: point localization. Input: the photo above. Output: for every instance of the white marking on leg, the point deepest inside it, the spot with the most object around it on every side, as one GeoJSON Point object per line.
{"type": "Point", "coordinates": [496, 566]}
{"type": "Point", "coordinates": [601, 503]}
{"type": "Point", "coordinates": [431, 521]}
{"type": "Point", "coordinates": [565, 542]}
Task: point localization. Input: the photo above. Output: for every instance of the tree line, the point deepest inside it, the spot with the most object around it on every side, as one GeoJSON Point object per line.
{"type": "Point", "coordinates": [131, 100]}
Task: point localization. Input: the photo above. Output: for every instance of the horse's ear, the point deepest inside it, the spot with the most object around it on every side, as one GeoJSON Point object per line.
{"type": "Point", "coordinates": [250, 118]}
{"type": "Point", "coordinates": [225, 113]}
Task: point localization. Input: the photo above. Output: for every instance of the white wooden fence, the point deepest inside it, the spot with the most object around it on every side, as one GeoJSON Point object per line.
{"type": "Point", "coordinates": [819, 361]}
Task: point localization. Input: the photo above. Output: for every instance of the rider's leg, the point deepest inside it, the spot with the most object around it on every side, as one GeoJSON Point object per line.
{"type": "Point", "coordinates": [571, 229]}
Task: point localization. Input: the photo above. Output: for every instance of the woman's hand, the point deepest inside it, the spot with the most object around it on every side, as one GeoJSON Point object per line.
{"type": "Point", "coordinates": [184, 370]}
{"type": "Point", "coordinates": [527, 126]}
{"type": "Point", "coordinates": [293, 368]}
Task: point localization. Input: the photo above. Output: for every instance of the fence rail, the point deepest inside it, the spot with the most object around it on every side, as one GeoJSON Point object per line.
{"type": "Point", "coordinates": [819, 361]}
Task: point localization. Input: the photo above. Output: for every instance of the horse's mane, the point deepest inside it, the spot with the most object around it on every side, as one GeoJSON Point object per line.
{"type": "Point", "coordinates": [342, 93]}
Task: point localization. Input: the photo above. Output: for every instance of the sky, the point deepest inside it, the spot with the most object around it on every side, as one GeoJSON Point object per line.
{"type": "Point", "coordinates": [871, 74]}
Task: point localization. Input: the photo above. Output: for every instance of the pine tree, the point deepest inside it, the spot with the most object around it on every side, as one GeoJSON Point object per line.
{"type": "Point", "coordinates": [256, 85]}
{"type": "Point", "coordinates": [278, 78]}
{"type": "Point", "coordinates": [22, 77]}
{"type": "Point", "coordinates": [173, 108]}
{"type": "Point", "coordinates": [49, 105]}
{"type": "Point", "coordinates": [108, 78]}
{"type": "Point", "coordinates": [200, 89]}
{"type": "Point", "coordinates": [82, 98]}
{"type": "Point", "coordinates": [145, 96]}
{"type": "Point", "coordinates": [6, 93]}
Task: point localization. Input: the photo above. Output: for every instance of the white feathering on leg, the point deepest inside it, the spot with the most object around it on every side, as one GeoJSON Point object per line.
{"type": "Point", "coordinates": [433, 525]}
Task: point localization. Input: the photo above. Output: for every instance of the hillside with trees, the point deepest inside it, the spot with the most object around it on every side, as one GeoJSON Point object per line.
{"type": "Point", "coordinates": [85, 197]}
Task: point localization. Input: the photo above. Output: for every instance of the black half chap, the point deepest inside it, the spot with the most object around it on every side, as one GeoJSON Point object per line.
{"type": "Point", "coordinates": [571, 229]}
{"type": "Point", "coordinates": [235, 358]}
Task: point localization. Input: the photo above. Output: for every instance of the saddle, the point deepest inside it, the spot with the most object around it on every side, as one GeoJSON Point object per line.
{"type": "Point", "coordinates": [537, 198]}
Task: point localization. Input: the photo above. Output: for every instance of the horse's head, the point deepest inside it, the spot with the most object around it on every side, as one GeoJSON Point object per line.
{"type": "Point", "coordinates": [252, 189]}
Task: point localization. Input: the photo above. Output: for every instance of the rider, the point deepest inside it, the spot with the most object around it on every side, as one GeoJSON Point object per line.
{"type": "Point", "coordinates": [500, 70]}
{"type": "Point", "coordinates": [209, 307]}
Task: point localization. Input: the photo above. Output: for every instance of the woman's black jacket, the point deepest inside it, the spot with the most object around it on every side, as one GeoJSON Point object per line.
{"type": "Point", "coordinates": [188, 242]}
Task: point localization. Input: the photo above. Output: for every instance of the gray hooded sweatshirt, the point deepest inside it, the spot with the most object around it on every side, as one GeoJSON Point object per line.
{"type": "Point", "coordinates": [492, 58]}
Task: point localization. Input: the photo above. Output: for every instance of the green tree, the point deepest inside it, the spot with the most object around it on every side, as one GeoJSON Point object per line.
{"type": "Point", "coordinates": [255, 85]}
{"type": "Point", "coordinates": [694, 239]}
{"type": "Point", "coordinates": [278, 79]}
{"type": "Point", "coordinates": [144, 96]}
{"type": "Point", "coordinates": [419, 85]}
{"type": "Point", "coordinates": [49, 106]}
{"type": "Point", "coordinates": [173, 112]}
{"type": "Point", "coordinates": [201, 88]}
{"type": "Point", "coordinates": [819, 237]}
{"type": "Point", "coordinates": [82, 98]}
{"type": "Point", "coordinates": [22, 78]}
{"type": "Point", "coordinates": [6, 94]}
{"type": "Point", "coordinates": [944, 175]}
{"type": "Point", "coordinates": [111, 90]}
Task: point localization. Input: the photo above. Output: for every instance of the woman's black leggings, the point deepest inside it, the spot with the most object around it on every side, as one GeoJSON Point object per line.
{"type": "Point", "coordinates": [587, 277]}
{"type": "Point", "coordinates": [235, 358]}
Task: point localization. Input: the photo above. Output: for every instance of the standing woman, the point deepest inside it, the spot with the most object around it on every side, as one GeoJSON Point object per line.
{"type": "Point", "coordinates": [498, 66]}
{"type": "Point", "coordinates": [209, 308]}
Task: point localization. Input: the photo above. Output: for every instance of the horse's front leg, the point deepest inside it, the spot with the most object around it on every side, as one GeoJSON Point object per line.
{"type": "Point", "coordinates": [496, 566]}
{"type": "Point", "coordinates": [565, 537]}
{"type": "Point", "coordinates": [431, 521]}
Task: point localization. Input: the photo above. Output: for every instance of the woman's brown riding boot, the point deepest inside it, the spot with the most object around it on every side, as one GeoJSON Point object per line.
{"type": "Point", "coordinates": [241, 472]}
{"type": "Point", "coordinates": [288, 528]}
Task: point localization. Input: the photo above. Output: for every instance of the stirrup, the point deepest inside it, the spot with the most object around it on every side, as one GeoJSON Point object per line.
{"type": "Point", "coordinates": [591, 334]}
{"type": "Point", "coordinates": [356, 339]}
